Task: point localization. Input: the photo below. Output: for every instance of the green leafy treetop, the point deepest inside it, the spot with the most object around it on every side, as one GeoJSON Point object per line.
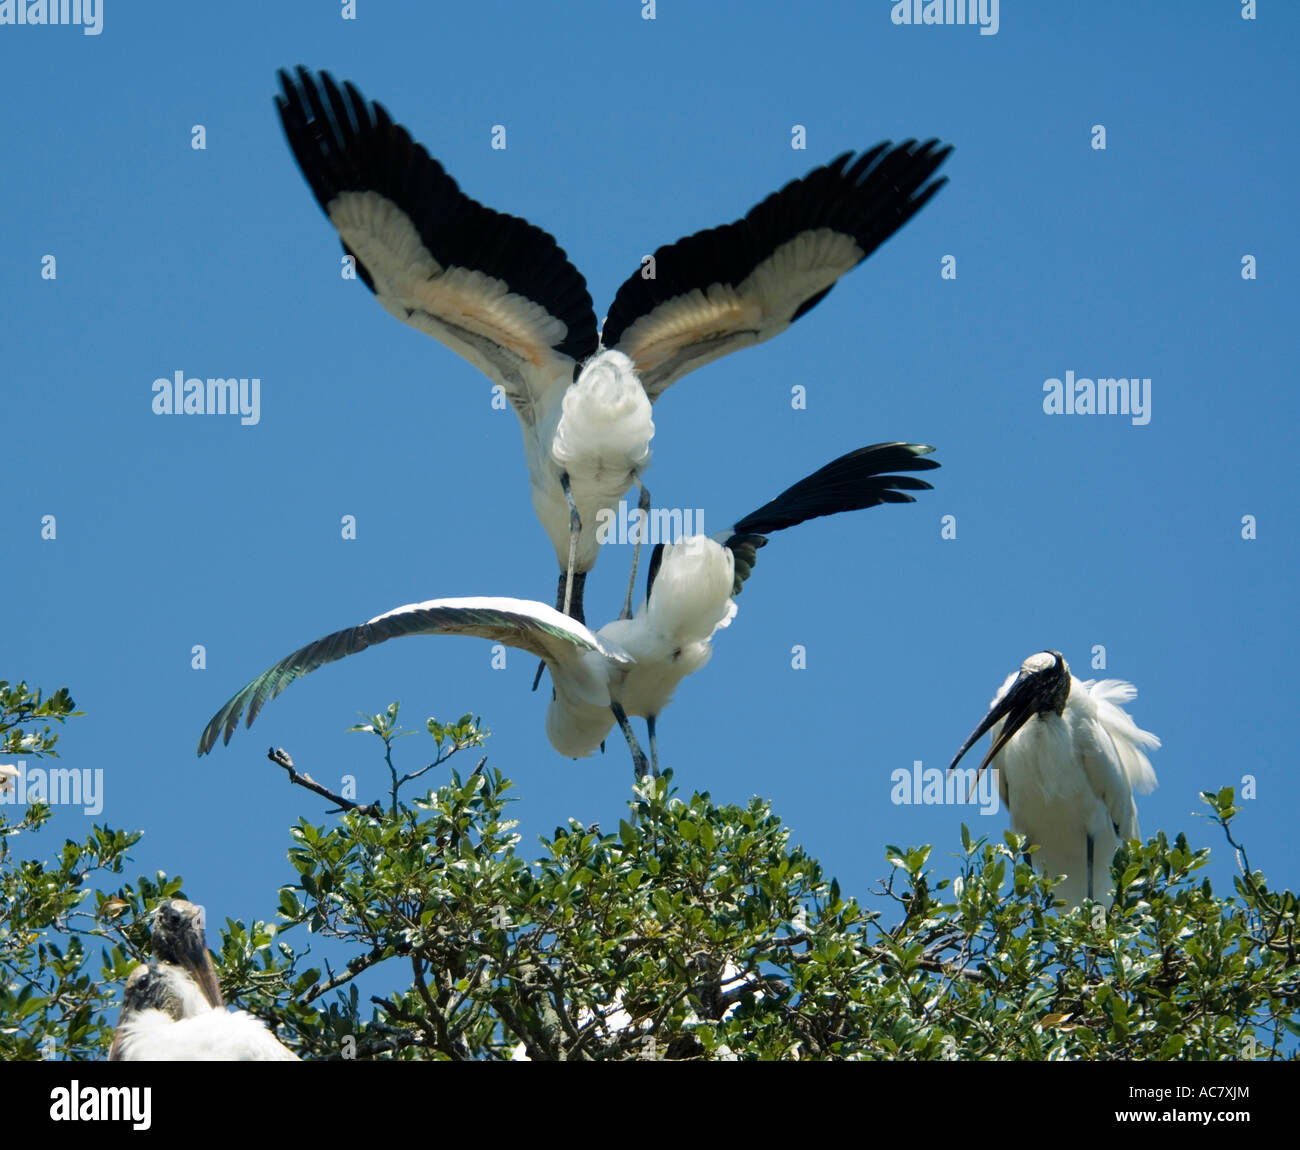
{"type": "Point", "coordinates": [689, 931]}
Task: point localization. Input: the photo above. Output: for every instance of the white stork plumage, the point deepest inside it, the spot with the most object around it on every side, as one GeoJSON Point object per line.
{"type": "Point", "coordinates": [630, 666]}
{"type": "Point", "coordinates": [691, 585]}
{"type": "Point", "coordinates": [165, 1018]}
{"type": "Point", "coordinates": [172, 1009]}
{"type": "Point", "coordinates": [502, 294]}
{"type": "Point", "coordinates": [560, 641]}
{"type": "Point", "coordinates": [719, 992]}
{"type": "Point", "coordinates": [1068, 759]}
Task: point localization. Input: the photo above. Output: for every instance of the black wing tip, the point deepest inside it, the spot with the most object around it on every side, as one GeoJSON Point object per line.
{"type": "Point", "coordinates": [900, 445]}
{"type": "Point", "coordinates": [287, 86]}
{"type": "Point", "coordinates": [868, 195]}
{"type": "Point", "coordinates": [297, 86]}
{"type": "Point", "coordinates": [933, 148]}
{"type": "Point", "coordinates": [914, 456]}
{"type": "Point", "coordinates": [856, 481]}
{"type": "Point", "coordinates": [343, 142]}
{"type": "Point", "coordinates": [922, 157]}
{"type": "Point", "coordinates": [302, 80]}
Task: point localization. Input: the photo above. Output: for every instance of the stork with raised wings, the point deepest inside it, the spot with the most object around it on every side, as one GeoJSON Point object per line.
{"type": "Point", "coordinates": [502, 294]}
{"type": "Point", "coordinates": [1068, 758]}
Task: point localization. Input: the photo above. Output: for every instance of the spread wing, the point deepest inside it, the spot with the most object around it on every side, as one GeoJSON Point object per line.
{"type": "Point", "coordinates": [739, 284]}
{"type": "Point", "coordinates": [494, 288]}
{"type": "Point", "coordinates": [849, 483]}
{"type": "Point", "coordinates": [526, 625]}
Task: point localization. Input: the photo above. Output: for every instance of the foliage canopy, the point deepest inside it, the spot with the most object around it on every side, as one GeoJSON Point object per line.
{"type": "Point", "coordinates": [689, 931]}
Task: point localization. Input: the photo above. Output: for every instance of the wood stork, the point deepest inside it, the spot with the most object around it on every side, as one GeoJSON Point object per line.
{"type": "Point", "coordinates": [631, 666]}
{"type": "Point", "coordinates": [719, 993]}
{"type": "Point", "coordinates": [691, 585]}
{"type": "Point", "coordinates": [502, 294]}
{"type": "Point", "coordinates": [165, 1018]}
{"type": "Point", "coordinates": [1069, 759]}
{"type": "Point", "coordinates": [172, 1009]}
{"type": "Point", "coordinates": [179, 939]}
{"type": "Point", "coordinates": [560, 641]}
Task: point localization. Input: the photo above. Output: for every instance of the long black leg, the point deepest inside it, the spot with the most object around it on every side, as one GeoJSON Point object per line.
{"type": "Point", "coordinates": [577, 586]}
{"type": "Point", "coordinates": [643, 506]}
{"type": "Point", "coordinates": [639, 761]}
{"type": "Point", "coordinates": [1090, 849]}
{"type": "Point", "coordinates": [575, 529]}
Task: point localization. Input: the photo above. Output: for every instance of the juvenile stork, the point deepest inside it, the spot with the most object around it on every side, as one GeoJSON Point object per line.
{"type": "Point", "coordinates": [179, 940]}
{"type": "Point", "coordinates": [1068, 759]}
{"type": "Point", "coordinates": [502, 294]}
{"type": "Point", "coordinates": [630, 666]}
{"type": "Point", "coordinates": [165, 1018]}
{"type": "Point", "coordinates": [172, 1009]}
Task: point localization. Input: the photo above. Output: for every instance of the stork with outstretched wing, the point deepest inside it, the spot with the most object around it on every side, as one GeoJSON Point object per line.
{"type": "Point", "coordinates": [630, 666]}
{"type": "Point", "coordinates": [502, 294]}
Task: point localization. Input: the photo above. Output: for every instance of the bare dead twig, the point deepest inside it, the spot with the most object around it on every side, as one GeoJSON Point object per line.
{"type": "Point", "coordinates": [282, 758]}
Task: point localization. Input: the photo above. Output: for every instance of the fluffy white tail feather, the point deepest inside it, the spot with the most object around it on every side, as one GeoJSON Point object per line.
{"type": "Point", "coordinates": [691, 597]}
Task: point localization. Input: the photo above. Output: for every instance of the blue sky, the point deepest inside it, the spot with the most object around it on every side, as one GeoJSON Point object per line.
{"type": "Point", "coordinates": [622, 134]}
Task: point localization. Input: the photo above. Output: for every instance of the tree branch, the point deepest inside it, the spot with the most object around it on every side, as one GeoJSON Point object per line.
{"type": "Point", "coordinates": [354, 967]}
{"type": "Point", "coordinates": [281, 758]}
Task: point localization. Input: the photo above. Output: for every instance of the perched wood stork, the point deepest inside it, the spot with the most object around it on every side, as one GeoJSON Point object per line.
{"type": "Point", "coordinates": [172, 1009]}
{"type": "Point", "coordinates": [1068, 759]}
{"type": "Point", "coordinates": [630, 666]}
{"type": "Point", "coordinates": [165, 1018]}
{"type": "Point", "coordinates": [502, 294]}
{"type": "Point", "coordinates": [719, 993]}
{"type": "Point", "coordinates": [179, 939]}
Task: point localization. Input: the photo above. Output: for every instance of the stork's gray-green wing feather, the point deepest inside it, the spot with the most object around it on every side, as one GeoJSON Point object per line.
{"type": "Point", "coordinates": [533, 627]}
{"type": "Point", "coordinates": [275, 679]}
